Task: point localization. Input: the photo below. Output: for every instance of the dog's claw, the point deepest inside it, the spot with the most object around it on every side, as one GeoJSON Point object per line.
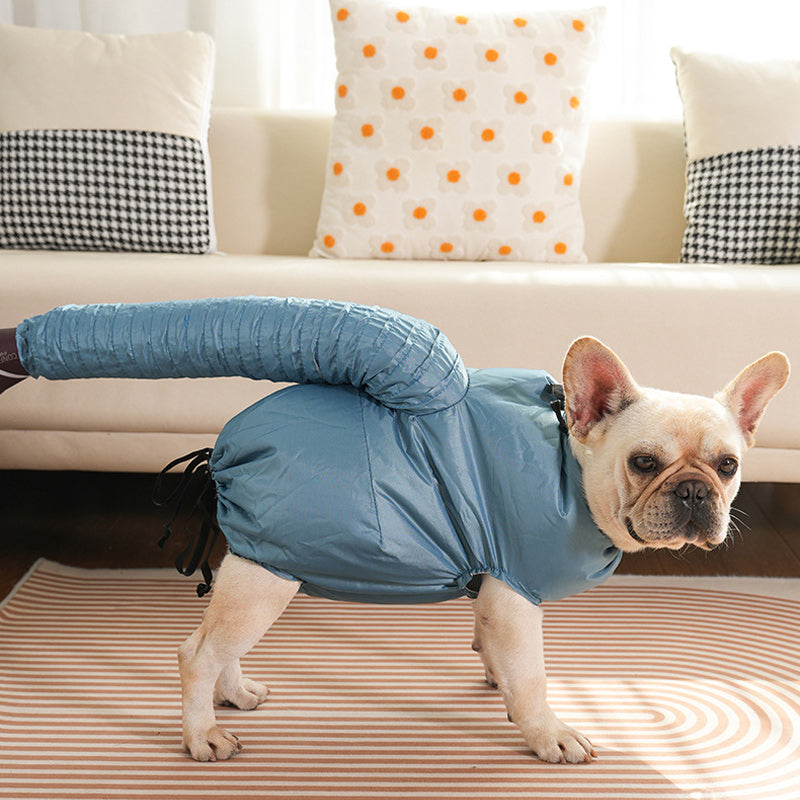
{"type": "Point", "coordinates": [216, 745]}
{"type": "Point", "coordinates": [246, 696]}
{"type": "Point", "coordinates": [560, 744]}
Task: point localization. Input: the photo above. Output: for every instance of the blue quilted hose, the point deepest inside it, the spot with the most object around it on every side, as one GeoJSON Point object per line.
{"type": "Point", "coordinates": [403, 362]}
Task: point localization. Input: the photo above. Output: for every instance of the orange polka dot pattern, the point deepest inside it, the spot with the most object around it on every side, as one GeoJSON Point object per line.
{"type": "Point", "coordinates": [457, 135]}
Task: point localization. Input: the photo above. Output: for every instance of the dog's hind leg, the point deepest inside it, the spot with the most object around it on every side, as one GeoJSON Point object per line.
{"type": "Point", "coordinates": [245, 602]}
{"type": "Point", "coordinates": [233, 689]}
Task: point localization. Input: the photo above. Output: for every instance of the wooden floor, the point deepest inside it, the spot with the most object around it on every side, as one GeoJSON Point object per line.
{"type": "Point", "coordinates": [108, 520]}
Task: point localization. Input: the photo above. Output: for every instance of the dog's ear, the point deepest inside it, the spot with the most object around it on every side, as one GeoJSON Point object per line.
{"type": "Point", "coordinates": [597, 385]}
{"type": "Point", "coordinates": [747, 395]}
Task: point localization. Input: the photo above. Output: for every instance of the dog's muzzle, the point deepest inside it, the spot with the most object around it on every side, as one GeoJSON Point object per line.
{"type": "Point", "coordinates": [689, 509]}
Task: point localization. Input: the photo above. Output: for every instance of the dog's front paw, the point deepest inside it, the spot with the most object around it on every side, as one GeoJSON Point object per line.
{"type": "Point", "coordinates": [215, 744]}
{"type": "Point", "coordinates": [557, 743]}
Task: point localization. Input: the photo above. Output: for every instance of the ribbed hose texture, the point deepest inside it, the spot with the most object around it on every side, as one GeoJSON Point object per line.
{"type": "Point", "coordinates": [403, 362]}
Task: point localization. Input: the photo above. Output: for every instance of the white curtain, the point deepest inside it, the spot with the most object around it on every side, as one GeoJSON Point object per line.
{"type": "Point", "coordinates": [279, 53]}
{"type": "Point", "coordinates": [270, 53]}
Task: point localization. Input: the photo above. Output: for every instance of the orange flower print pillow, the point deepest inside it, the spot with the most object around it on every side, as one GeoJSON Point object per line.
{"type": "Point", "coordinates": [457, 136]}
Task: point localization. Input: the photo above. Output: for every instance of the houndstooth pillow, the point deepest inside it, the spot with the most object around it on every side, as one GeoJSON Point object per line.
{"type": "Point", "coordinates": [744, 207]}
{"type": "Point", "coordinates": [742, 125]}
{"type": "Point", "coordinates": [111, 154]}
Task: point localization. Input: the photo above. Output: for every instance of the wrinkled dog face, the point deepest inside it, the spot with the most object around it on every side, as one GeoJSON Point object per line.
{"type": "Point", "coordinates": [666, 473]}
{"type": "Point", "coordinates": [661, 469]}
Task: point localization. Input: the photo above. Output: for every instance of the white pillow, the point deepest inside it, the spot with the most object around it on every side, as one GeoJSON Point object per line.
{"type": "Point", "coordinates": [103, 141]}
{"type": "Point", "coordinates": [742, 126]}
{"type": "Point", "coordinates": [457, 137]}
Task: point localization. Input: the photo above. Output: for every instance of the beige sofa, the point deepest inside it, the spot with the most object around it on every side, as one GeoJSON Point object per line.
{"type": "Point", "coordinates": [685, 327]}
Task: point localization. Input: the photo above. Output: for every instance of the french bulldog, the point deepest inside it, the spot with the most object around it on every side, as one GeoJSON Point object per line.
{"type": "Point", "coordinates": [659, 469]}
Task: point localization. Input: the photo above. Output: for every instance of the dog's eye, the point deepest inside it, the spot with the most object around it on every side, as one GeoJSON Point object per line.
{"type": "Point", "coordinates": [643, 464]}
{"type": "Point", "coordinates": [727, 467]}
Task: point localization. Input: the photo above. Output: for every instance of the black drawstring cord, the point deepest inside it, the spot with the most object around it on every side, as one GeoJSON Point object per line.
{"type": "Point", "coordinates": [196, 493]}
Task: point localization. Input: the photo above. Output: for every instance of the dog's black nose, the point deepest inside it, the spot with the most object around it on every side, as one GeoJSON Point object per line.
{"type": "Point", "coordinates": [692, 493]}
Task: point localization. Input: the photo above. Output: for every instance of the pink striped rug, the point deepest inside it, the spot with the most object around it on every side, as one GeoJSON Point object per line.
{"type": "Point", "coordinates": [687, 689]}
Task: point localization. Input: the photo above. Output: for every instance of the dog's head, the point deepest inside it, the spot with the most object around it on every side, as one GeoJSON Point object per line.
{"type": "Point", "coordinates": [660, 469]}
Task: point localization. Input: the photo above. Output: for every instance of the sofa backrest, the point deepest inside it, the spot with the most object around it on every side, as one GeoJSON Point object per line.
{"type": "Point", "coordinates": [268, 173]}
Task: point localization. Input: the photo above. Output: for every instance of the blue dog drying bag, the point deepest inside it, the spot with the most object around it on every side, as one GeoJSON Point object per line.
{"type": "Point", "coordinates": [390, 474]}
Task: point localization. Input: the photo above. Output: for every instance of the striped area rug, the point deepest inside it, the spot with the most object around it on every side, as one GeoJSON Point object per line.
{"type": "Point", "coordinates": [687, 689]}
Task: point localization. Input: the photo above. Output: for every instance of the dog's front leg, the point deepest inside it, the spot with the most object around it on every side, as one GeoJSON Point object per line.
{"type": "Point", "coordinates": [508, 636]}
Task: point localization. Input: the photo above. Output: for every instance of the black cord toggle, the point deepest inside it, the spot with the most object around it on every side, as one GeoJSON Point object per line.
{"type": "Point", "coordinates": [559, 405]}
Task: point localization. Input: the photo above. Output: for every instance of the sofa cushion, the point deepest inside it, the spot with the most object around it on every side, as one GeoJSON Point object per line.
{"type": "Point", "coordinates": [511, 315]}
{"type": "Point", "coordinates": [457, 137]}
{"type": "Point", "coordinates": [103, 141]}
{"type": "Point", "coordinates": [742, 123]}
